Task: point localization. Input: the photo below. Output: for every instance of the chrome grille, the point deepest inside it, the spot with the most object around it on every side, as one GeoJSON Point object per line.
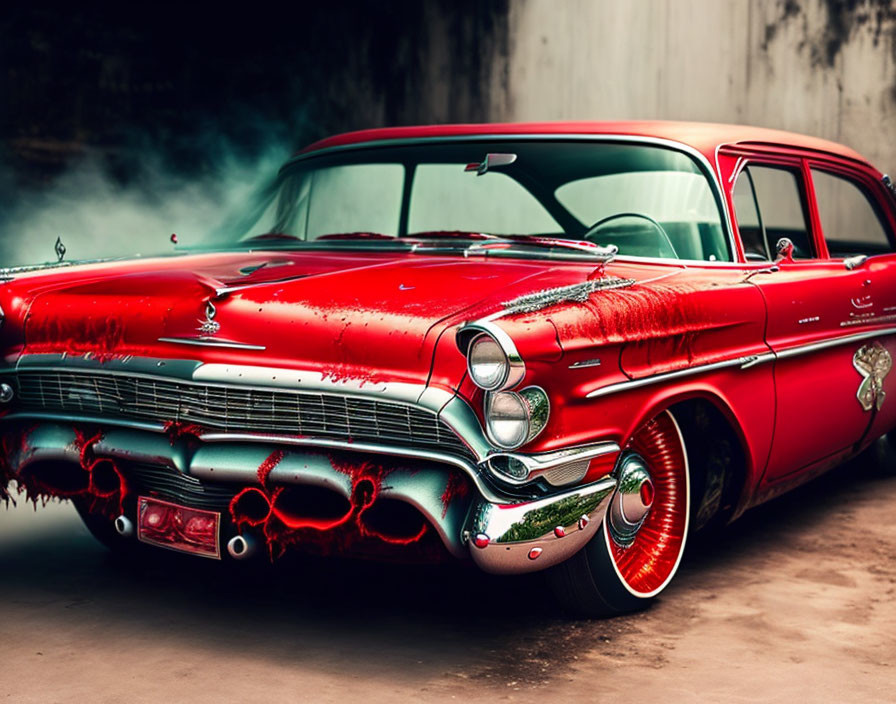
{"type": "Point", "coordinates": [170, 484]}
{"type": "Point", "coordinates": [235, 408]}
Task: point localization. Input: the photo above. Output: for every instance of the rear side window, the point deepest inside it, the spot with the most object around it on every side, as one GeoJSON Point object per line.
{"type": "Point", "coordinates": [849, 218]}
{"type": "Point", "coordinates": [769, 205]}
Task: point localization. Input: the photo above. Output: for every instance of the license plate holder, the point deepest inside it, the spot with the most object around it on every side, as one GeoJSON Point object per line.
{"type": "Point", "coordinates": [181, 528]}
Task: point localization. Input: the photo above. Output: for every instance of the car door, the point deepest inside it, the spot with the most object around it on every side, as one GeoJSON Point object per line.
{"type": "Point", "coordinates": [811, 302]}
{"type": "Point", "coordinates": [855, 216]}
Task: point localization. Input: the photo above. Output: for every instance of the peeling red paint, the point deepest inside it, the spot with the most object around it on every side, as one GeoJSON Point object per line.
{"type": "Point", "coordinates": [251, 507]}
{"type": "Point", "coordinates": [395, 540]}
{"type": "Point", "coordinates": [97, 481]}
{"type": "Point", "coordinates": [178, 430]}
{"type": "Point", "coordinates": [268, 466]}
{"type": "Point", "coordinates": [84, 444]}
{"type": "Point", "coordinates": [320, 519]}
{"type": "Point", "coordinates": [355, 373]}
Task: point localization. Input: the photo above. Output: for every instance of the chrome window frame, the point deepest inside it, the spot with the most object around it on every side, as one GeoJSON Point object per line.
{"type": "Point", "coordinates": [703, 163]}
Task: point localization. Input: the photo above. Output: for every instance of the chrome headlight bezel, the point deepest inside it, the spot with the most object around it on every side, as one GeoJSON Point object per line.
{"type": "Point", "coordinates": [513, 371]}
{"type": "Point", "coordinates": [532, 409]}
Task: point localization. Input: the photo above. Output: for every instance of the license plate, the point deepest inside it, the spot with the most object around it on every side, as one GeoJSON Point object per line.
{"type": "Point", "coordinates": [168, 525]}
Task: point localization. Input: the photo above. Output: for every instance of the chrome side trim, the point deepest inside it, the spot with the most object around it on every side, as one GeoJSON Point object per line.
{"type": "Point", "coordinates": [585, 363]}
{"type": "Point", "coordinates": [743, 362]}
{"type": "Point", "coordinates": [201, 342]}
{"type": "Point", "coordinates": [746, 361]}
{"type": "Point", "coordinates": [798, 350]}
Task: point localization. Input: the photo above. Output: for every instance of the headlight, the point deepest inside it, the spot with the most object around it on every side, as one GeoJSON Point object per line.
{"type": "Point", "coordinates": [493, 361]}
{"type": "Point", "coordinates": [487, 363]}
{"type": "Point", "coordinates": [513, 419]}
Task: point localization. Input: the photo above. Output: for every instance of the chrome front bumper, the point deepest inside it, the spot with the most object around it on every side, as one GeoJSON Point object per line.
{"type": "Point", "coordinates": [526, 537]}
{"type": "Point", "coordinates": [500, 537]}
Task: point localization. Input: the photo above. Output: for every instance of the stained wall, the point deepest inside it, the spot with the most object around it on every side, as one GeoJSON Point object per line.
{"type": "Point", "coordinates": [822, 67]}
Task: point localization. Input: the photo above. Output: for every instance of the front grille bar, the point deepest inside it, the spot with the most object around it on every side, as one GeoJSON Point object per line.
{"type": "Point", "coordinates": [236, 409]}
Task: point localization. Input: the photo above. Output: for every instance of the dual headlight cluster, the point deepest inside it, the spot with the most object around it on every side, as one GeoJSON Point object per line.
{"type": "Point", "coordinates": [512, 418]}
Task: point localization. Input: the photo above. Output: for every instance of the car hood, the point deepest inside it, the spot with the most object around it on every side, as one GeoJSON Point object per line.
{"type": "Point", "coordinates": [348, 315]}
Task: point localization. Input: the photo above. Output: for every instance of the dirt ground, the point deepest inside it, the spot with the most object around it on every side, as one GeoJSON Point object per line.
{"type": "Point", "coordinates": [794, 602]}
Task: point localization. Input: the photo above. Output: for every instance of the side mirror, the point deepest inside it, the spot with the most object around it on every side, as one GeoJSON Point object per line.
{"type": "Point", "coordinates": [784, 250]}
{"type": "Point", "coordinates": [855, 262]}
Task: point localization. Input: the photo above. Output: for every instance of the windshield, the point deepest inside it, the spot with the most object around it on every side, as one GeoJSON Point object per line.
{"type": "Point", "coordinates": [646, 200]}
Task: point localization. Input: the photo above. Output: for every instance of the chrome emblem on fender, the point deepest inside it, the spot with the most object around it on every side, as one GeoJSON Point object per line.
{"type": "Point", "coordinates": [873, 362]}
{"type": "Point", "coordinates": [209, 326]}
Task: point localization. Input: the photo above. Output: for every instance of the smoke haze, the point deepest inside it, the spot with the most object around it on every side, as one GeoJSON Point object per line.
{"type": "Point", "coordinates": [98, 214]}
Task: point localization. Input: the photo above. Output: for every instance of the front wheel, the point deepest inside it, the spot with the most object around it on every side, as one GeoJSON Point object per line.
{"type": "Point", "coordinates": [639, 546]}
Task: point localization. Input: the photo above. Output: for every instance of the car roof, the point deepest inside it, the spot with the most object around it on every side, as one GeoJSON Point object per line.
{"type": "Point", "coordinates": [705, 137]}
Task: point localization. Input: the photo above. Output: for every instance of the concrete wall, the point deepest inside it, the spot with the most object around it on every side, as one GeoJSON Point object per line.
{"type": "Point", "coordinates": [826, 68]}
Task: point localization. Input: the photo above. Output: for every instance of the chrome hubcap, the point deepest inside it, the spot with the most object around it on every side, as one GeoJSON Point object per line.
{"type": "Point", "coordinates": [632, 501]}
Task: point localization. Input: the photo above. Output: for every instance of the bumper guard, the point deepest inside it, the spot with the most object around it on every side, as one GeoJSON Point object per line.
{"type": "Point", "coordinates": [515, 538]}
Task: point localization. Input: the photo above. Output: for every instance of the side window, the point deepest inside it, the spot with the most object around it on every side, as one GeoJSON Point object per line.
{"type": "Point", "coordinates": [849, 218]}
{"type": "Point", "coordinates": [778, 210]}
{"type": "Point", "coordinates": [748, 223]}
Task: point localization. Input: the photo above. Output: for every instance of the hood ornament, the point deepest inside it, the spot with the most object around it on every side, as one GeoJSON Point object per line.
{"type": "Point", "coordinates": [60, 249]}
{"type": "Point", "coordinates": [873, 362]}
{"type": "Point", "coordinates": [209, 326]}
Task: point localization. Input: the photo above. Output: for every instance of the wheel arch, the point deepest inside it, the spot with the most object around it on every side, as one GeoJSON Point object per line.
{"type": "Point", "coordinates": [720, 459]}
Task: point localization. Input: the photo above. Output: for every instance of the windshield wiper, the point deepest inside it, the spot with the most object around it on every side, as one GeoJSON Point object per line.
{"type": "Point", "coordinates": [354, 236]}
{"type": "Point", "coordinates": [451, 241]}
{"type": "Point", "coordinates": [602, 253]}
{"type": "Point", "coordinates": [448, 235]}
{"type": "Point", "coordinates": [488, 243]}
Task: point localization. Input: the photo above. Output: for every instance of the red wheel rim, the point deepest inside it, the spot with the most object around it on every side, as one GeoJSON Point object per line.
{"type": "Point", "coordinates": [647, 565]}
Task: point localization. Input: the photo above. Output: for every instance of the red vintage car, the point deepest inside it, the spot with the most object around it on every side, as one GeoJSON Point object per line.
{"type": "Point", "coordinates": [557, 347]}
